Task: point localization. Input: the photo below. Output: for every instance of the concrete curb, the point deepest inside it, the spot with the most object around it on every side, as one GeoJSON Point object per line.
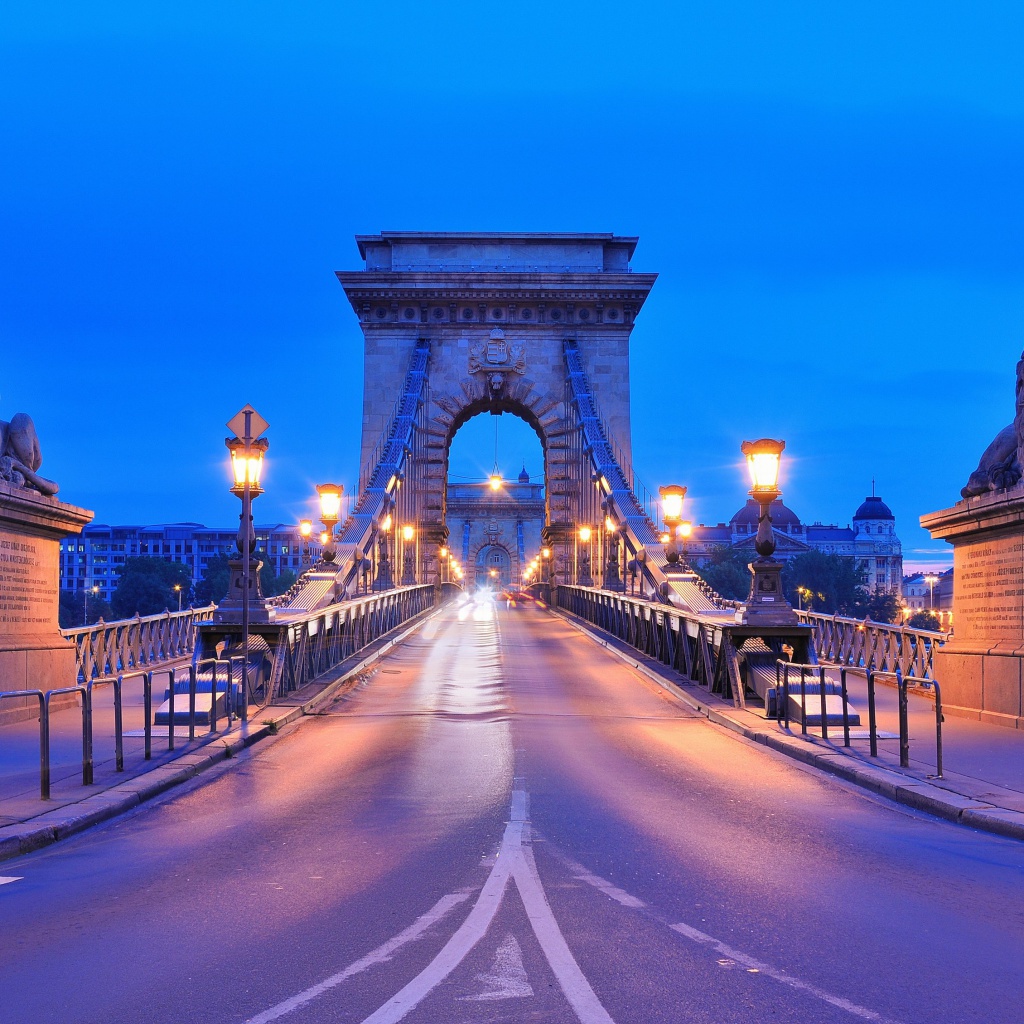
{"type": "Point", "coordinates": [895, 786]}
{"type": "Point", "coordinates": [62, 822]}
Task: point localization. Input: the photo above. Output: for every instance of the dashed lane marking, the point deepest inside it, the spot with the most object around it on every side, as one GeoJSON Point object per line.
{"type": "Point", "coordinates": [732, 956]}
{"type": "Point", "coordinates": [5, 879]}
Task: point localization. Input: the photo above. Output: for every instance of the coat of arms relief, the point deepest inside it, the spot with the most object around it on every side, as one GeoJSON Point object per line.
{"type": "Point", "coordinates": [497, 357]}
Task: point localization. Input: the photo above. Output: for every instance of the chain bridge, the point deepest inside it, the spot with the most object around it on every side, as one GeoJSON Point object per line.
{"type": "Point", "coordinates": [533, 325]}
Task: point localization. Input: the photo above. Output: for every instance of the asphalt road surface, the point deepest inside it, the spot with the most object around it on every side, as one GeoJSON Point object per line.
{"type": "Point", "coordinates": [507, 824]}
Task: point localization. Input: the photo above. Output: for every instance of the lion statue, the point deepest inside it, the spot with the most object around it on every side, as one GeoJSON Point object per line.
{"type": "Point", "coordinates": [1002, 461]}
{"type": "Point", "coordinates": [20, 456]}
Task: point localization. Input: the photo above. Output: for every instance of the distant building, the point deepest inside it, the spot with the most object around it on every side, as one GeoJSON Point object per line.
{"type": "Point", "coordinates": [495, 529]}
{"type": "Point", "coordinates": [921, 596]}
{"type": "Point", "coordinates": [871, 539]}
{"type": "Point", "coordinates": [92, 559]}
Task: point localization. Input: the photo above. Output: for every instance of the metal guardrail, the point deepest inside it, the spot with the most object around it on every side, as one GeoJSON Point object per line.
{"type": "Point", "coordinates": [307, 648]}
{"type": "Point", "coordinates": [702, 649]}
{"type": "Point", "coordinates": [109, 649]}
{"type": "Point", "coordinates": [861, 643]}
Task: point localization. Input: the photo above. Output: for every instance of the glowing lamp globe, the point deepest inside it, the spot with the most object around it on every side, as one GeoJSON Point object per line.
{"type": "Point", "coordinates": [672, 502]}
{"type": "Point", "coordinates": [330, 501]}
{"type": "Point", "coordinates": [763, 459]}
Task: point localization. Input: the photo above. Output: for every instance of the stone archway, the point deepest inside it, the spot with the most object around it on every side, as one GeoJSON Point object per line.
{"type": "Point", "coordinates": [494, 557]}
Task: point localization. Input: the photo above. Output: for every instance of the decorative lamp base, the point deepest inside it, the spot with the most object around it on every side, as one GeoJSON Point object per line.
{"type": "Point", "coordinates": [766, 604]}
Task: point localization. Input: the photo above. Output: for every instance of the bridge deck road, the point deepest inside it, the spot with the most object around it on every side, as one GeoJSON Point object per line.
{"type": "Point", "coordinates": [505, 823]}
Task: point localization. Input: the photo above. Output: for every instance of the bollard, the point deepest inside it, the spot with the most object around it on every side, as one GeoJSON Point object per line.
{"type": "Point", "coordinates": [872, 724]}
{"type": "Point", "coordinates": [901, 689]}
{"type": "Point", "coordinates": [803, 700]}
{"type": "Point", "coordinates": [118, 725]}
{"type": "Point", "coordinates": [821, 694]}
{"type": "Point", "coordinates": [846, 710]}
{"type": "Point", "coordinates": [191, 703]}
{"type": "Point", "coordinates": [147, 710]}
{"type": "Point", "coordinates": [938, 729]}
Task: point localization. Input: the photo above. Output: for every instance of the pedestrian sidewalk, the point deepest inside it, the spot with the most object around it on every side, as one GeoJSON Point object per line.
{"type": "Point", "coordinates": [28, 822]}
{"type": "Point", "coordinates": [982, 784]}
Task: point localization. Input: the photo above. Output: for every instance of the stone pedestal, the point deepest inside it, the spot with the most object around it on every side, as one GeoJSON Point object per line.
{"type": "Point", "coordinates": [766, 605]}
{"type": "Point", "coordinates": [33, 654]}
{"type": "Point", "coordinates": [979, 668]}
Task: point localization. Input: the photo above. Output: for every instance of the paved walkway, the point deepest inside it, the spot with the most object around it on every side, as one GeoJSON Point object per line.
{"type": "Point", "coordinates": [982, 784]}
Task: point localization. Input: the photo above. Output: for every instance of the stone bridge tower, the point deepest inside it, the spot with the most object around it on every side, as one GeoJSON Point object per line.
{"type": "Point", "coordinates": [496, 309]}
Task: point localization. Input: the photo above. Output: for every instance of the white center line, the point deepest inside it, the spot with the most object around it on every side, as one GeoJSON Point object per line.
{"type": "Point", "coordinates": [514, 861]}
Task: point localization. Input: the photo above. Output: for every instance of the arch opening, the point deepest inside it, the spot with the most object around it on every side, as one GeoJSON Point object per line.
{"type": "Point", "coordinates": [495, 525]}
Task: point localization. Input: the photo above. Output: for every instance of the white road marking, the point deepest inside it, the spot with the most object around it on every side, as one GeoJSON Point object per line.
{"type": "Point", "coordinates": [573, 982]}
{"type": "Point", "coordinates": [752, 965]}
{"type": "Point", "coordinates": [514, 861]}
{"type": "Point", "coordinates": [380, 955]}
{"type": "Point", "coordinates": [4, 879]}
{"type": "Point", "coordinates": [506, 978]}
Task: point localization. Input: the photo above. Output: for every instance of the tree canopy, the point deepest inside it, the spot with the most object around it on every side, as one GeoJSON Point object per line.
{"type": "Point", "coordinates": [726, 571]}
{"type": "Point", "coordinates": [213, 587]}
{"type": "Point", "coordinates": [835, 583]}
{"type": "Point", "coordinates": [75, 610]}
{"type": "Point", "coordinates": [146, 584]}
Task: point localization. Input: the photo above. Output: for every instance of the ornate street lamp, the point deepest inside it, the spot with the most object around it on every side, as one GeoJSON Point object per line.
{"type": "Point", "coordinates": [408, 556]}
{"type": "Point", "coordinates": [612, 577]}
{"type": "Point", "coordinates": [672, 512]}
{"type": "Point", "coordinates": [583, 577]}
{"type": "Point", "coordinates": [247, 450]}
{"type": "Point", "coordinates": [766, 602]}
{"type": "Point", "coordinates": [330, 507]}
{"type": "Point", "coordinates": [305, 532]}
{"type": "Point", "coordinates": [383, 580]}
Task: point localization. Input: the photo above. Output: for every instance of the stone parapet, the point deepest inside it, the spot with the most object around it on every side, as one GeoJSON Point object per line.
{"type": "Point", "coordinates": [980, 667]}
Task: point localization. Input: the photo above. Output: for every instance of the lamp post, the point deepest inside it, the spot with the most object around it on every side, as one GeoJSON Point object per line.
{"type": "Point", "coordinates": [177, 587]}
{"type": "Point", "coordinates": [247, 453]}
{"type": "Point", "coordinates": [612, 576]}
{"type": "Point", "coordinates": [766, 603]}
{"type": "Point", "coordinates": [931, 580]}
{"type": "Point", "coordinates": [305, 532]}
{"type": "Point", "coordinates": [408, 556]}
{"type": "Point", "coordinates": [330, 506]}
{"type": "Point", "coordinates": [443, 565]}
{"type": "Point", "coordinates": [94, 589]}
{"type": "Point", "coordinates": [672, 512]}
{"type": "Point", "coordinates": [383, 580]}
{"type": "Point", "coordinates": [583, 577]}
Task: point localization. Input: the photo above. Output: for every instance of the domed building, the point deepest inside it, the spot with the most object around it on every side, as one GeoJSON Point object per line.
{"type": "Point", "coordinates": [871, 539]}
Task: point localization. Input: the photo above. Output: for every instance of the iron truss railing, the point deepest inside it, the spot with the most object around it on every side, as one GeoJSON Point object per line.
{"type": "Point", "coordinates": [703, 649]}
{"type": "Point", "coordinates": [300, 650]}
{"type": "Point", "coordinates": [861, 643]}
{"type": "Point", "coordinates": [108, 649]}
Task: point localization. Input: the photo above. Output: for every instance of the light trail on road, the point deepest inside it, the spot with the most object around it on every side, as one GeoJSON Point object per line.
{"type": "Point", "coordinates": [505, 823]}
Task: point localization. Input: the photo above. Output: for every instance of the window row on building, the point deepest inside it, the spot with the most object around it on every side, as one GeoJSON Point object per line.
{"type": "Point", "coordinates": [92, 559]}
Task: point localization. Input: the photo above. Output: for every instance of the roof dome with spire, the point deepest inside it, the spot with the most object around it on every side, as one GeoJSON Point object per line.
{"type": "Point", "coordinates": [873, 508]}
{"type": "Point", "coordinates": [524, 477]}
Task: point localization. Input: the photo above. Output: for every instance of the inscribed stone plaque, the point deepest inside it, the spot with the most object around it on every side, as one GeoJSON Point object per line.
{"type": "Point", "coordinates": [28, 584]}
{"type": "Point", "coordinates": [989, 589]}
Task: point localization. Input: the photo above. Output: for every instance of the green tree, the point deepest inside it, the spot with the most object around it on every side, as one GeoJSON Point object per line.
{"type": "Point", "coordinates": [72, 611]}
{"type": "Point", "coordinates": [883, 606]}
{"type": "Point", "coordinates": [145, 586]}
{"type": "Point", "coordinates": [924, 620]}
{"type": "Point", "coordinates": [213, 587]}
{"type": "Point", "coordinates": [726, 571]}
{"type": "Point", "coordinates": [214, 584]}
{"type": "Point", "coordinates": [835, 582]}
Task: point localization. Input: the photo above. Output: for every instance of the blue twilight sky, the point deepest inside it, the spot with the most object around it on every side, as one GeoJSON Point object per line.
{"type": "Point", "coordinates": [832, 194]}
